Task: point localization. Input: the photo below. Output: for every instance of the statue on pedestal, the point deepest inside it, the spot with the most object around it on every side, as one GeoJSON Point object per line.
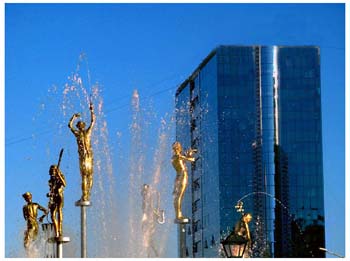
{"type": "Point", "coordinates": [57, 183]}
{"type": "Point", "coordinates": [30, 214]}
{"type": "Point", "coordinates": [83, 137]}
{"type": "Point", "coordinates": [149, 209]}
{"type": "Point", "coordinates": [179, 163]}
{"type": "Point", "coordinates": [152, 214]}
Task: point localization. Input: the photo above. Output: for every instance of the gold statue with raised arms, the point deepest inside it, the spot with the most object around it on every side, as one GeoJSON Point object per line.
{"type": "Point", "coordinates": [83, 137]}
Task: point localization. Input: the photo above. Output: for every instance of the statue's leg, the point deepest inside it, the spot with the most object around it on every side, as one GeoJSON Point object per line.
{"type": "Point", "coordinates": [84, 187]}
{"type": "Point", "coordinates": [90, 180]}
{"type": "Point", "coordinates": [60, 217]}
{"type": "Point", "coordinates": [35, 230]}
{"type": "Point", "coordinates": [32, 229]}
{"type": "Point", "coordinates": [26, 238]}
{"type": "Point", "coordinates": [154, 248]}
{"type": "Point", "coordinates": [54, 221]}
{"type": "Point", "coordinates": [176, 194]}
{"type": "Point", "coordinates": [181, 194]}
{"type": "Point", "coordinates": [31, 235]}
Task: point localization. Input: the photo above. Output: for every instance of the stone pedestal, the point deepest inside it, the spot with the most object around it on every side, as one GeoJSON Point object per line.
{"type": "Point", "coordinates": [59, 245]}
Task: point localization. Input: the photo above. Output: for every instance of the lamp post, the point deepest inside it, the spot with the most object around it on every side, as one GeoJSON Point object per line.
{"type": "Point", "coordinates": [233, 246]}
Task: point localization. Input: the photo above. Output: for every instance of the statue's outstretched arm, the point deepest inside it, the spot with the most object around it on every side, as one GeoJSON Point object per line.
{"type": "Point", "coordinates": [43, 209]}
{"type": "Point", "coordinates": [191, 159]}
{"type": "Point", "coordinates": [70, 123]}
{"type": "Point", "coordinates": [93, 117]}
{"type": "Point", "coordinates": [189, 155]}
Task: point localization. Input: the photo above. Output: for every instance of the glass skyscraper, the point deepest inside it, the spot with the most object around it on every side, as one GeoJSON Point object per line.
{"type": "Point", "coordinates": [254, 114]}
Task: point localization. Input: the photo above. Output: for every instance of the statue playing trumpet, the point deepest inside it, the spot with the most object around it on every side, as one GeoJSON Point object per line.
{"type": "Point", "coordinates": [179, 163]}
{"type": "Point", "coordinates": [83, 137]}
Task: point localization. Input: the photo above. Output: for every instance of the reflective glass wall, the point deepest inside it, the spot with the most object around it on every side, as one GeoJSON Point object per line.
{"type": "Point", "coordinates": [208, 211]}
{"type": "Point", "coordinates": [237, 130]}
{"type": "Point", "coordinates": [300, 150]}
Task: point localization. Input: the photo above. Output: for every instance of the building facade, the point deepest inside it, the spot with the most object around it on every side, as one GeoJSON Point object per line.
{"type": "Point", "coordinates": [254, 114]}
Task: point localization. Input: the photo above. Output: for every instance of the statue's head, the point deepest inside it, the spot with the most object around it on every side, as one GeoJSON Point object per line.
{"type": "Point", "coordinates": [247, 217]}
{"type": "Point", "coordinates": [145, 186]}
{"type": "Point", "coordinates": [53, 170]}
{"type": "Point", "coordinates": [27, 196]}
{"type": "Point", "coordinates": [177, 148]}
{"type": "Point", "coordinates": [81, 125]}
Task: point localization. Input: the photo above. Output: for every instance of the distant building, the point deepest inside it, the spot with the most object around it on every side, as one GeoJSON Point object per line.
{"type": "Point", "coordinates": [254, 114]}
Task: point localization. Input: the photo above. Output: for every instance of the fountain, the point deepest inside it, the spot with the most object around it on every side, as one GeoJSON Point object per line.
{"type": "Point", "coordinates": [115, 231]}
{"type": "Point", "coordinates": [112, 229]}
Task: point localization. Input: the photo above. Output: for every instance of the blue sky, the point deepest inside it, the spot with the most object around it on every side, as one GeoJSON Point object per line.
{"type": "Point", "coordinates": [151, 48]}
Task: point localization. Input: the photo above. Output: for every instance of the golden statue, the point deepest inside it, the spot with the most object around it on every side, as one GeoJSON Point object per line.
{"type": "Point", "coordinates": [149, 209]}
{"type": "Point", "coordinates": [242, 227]}
{"type": "Point", "coordinates": [179, 163]}
{"type": "Point", "coordinates": [242, 236]}
{"type": "Point", "coordinates": [30, 214]}
{"type": "Point", "coordinates": [57, 183]}
{"type": "Point", "coordinates": [152, 214]}
{"type": "Point", "coordinates": [83, 137]}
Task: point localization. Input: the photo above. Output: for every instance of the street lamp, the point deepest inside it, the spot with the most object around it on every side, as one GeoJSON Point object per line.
{"type": "Point", "coordinates": [234, 247]}
{"type": "Point", "coordinates": [235, 244]}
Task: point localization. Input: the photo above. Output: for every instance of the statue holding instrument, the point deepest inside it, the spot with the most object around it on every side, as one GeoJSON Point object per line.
{"type": "Point", "coordinates": [57, 182]}
{"type": "Point", "coordinates": [179, 163]}
{"type": "Point", "coordinates": [152, 214]}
